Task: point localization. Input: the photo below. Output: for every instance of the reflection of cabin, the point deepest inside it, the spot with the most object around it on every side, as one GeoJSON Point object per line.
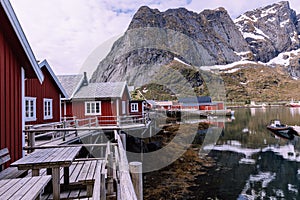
{"type": "Point", "coordinates": [107, 102]}
{"type": "Point", "coordinates": [17, 63]}
{"type": "Point", "coordinates": [200, 103]}
{"type": "Point", "coordinates": [42, 100]}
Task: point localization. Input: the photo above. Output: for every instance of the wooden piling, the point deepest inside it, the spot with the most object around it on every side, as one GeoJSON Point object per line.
{"type": "Point", "coordinates": [123, 138]}
{"type": "Point", "coordinates": [137, 178]}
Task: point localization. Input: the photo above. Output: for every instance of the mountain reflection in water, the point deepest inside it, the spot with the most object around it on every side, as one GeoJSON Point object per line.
{"type": "Point", "coordinates": [253, 164]}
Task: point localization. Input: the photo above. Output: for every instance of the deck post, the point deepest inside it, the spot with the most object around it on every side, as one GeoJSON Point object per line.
{"type": "Point", "coordinates": [97, 121]}
{"type": "Point", "coordinates": [137, 178]}
{"type": "Point", "coordinates": [31, 139]}
{"type": "Point", "coordinates": [123, 138]}
{"type": "Point", "coordinates": [64, 133]}
{"type": "Point", "coordinates": [76, 126]}
{"type": "Point", "coordinates": [110, 181]}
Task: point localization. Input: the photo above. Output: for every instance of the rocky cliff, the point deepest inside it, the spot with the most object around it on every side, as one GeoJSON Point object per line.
{"type": "Point", "coordinates": [155, 38]}
{"type": "Point", "coordinates": [270, 30]}
{"type": "Point", "coordinates": [145, 54]}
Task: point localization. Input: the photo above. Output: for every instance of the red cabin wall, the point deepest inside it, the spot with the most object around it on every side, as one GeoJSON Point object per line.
{"type": "Point", "coordinates": [108, 109]}
{"type": "Point", "coordinates": [140, 108]}
{"type": "Point", "coordinates": [47, 89]}
{"type": "Point", "coordinates": [10, 97]}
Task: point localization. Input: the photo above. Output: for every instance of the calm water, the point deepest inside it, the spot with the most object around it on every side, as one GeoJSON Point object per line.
{"type": "Point", "coordinates": [251, 162]}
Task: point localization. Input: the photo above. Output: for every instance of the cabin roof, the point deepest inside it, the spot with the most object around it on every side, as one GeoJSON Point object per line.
{"type": "Point", "coordinates": [22, 38]}
{"type": "Point", "coordinates": [45, 64]}
{"type": "Point", "coordinates": [71, 83]}
{"type": "Point", "coordinates": [102, 90]}
{"type": "Point", "coordinates": [195, 100]}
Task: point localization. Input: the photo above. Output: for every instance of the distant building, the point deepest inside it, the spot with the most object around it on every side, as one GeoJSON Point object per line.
{"type": "Point", "coordinates": [106, 101]}
{"type": "Point", "coordinates": [200, 103]}
{"type": "Point", "coordinates": [43, 100]}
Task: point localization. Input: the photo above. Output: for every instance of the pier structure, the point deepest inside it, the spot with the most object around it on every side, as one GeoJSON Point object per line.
{"type": "Point", "coordinates": [102, 154]}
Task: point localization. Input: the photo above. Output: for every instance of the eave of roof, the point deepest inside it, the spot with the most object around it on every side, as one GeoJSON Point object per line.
{"type": "Point", "coordinates": [44, 63]}
{"type": "Point", "coordinates": [22, 38]}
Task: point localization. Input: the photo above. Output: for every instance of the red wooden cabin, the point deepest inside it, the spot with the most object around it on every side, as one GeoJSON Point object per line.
{"type": "Point", "coordinates": [107, 102]}
{"type": "Point", "coordinates": [17, 63]}
{"type": "Point", "coordinates": [137, 108]}
{"type": "Point", "coordinates": [43, 100]}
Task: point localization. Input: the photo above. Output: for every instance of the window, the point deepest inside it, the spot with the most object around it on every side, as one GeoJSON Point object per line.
{"type": "Point", "coordinates": [93, 108]}
{"type": "Point", "coordinates": [123, 107]}
{"type": "Point", "coordinates": [134, 107]}
{"type": "Point", "coordinates": [48, 109]}
{"type": "Point", "coordinates": [30, 109]}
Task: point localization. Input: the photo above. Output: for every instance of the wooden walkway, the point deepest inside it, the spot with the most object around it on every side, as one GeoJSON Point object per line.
{"type": "Point", "coordinates": [105, 177]}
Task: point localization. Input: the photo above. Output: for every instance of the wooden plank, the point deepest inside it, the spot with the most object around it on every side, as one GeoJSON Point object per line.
{"type": "Point", "coordinates": [32, 188]}
{"type": "Point", "coordinates": [56, 182]}
{"type": "Point", "coordinates": [4, 152]}
{"type": "Point", "coordinates": [11, 172]}
{"type": "Point", "coordinates": [9, 193]}
{"type": "Point", "coordinates": [4, 159]}
{"type": "Point", "coordinates": [97, 184]}
{"type": "Point", "coordinates": [84, 171]}
{"type": "Point", "coordinates": [6, 185]}
{"type": "Point", "coordinates": [75, 173]}
{"type": "Point", "coordinates": [94, 167]}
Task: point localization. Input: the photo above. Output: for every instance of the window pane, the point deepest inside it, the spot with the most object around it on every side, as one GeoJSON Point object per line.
{"type": "Point", "coordinates": [97, 107]}
{"type": "Point", "coordinates": [93, 108]}
{"type": "Point", "coordinates": [88, 108]}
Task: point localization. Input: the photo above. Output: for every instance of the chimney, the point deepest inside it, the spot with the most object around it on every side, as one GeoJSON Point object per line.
{"type": "Point", "coordinates": [85, 80]}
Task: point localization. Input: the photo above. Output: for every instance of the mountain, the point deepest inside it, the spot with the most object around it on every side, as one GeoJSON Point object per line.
{"type": "Point", "coordinates": [172, 48]}
{"type": "Point", "coordinates": [155, 38]}
{"type": "Point", "coordinates": [270, 30]}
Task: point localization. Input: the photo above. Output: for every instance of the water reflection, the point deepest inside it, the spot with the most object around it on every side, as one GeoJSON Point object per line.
{"type": "Point", "coordinates": [258, 165]}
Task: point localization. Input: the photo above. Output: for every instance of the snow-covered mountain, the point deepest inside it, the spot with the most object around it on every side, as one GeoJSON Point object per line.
{"type": "Point", "coordinates": [270, 30]}
{"type": "Point", "coordinates": [209, 40]}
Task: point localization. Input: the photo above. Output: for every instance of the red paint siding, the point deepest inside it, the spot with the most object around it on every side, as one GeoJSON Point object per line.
{"type": "Point", "coordinates": [10, 98]}
{"type": "Point", "coordinates": [47, 89]}
{"type": "Point", "coordinates": [140, 108]}
{"type": "Point", "coordinates": [108, 109]}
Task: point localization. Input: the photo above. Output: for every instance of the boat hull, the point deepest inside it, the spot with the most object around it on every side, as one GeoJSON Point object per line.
{"type": "Point", "coordinates": [284, 132]}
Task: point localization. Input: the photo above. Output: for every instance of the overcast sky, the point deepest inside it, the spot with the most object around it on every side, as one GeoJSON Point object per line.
{"type": "Point", "coordinates": [66, 32]}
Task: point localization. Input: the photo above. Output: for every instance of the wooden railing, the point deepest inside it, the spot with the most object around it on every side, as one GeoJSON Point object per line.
{"type": "Point", "coordinates": [72, 126]}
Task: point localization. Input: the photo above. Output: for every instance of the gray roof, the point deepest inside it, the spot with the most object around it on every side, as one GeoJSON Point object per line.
{"type": "Point", "coordinates": [71, 83]}
{"type": "Point", "coordinates": [101, 90]}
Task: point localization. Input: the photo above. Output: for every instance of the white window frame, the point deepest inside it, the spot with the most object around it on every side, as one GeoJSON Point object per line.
{"type": "Point", "coordinates": [134, 107]}
{"type": "Point", "coordinates": [48, 110]}
{"type": "Point", "coordinates": [92, 108]}
{"type": "Point", "coordinates": [123, 107]}
{"type": "Point", "coordinates": [31, 104]}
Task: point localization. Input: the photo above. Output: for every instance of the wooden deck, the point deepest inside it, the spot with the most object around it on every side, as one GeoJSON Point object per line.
{"type": "Point", "coordinates": [89, 178]}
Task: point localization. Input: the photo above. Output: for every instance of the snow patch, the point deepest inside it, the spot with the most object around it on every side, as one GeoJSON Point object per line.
{"type": "Point", "coordinates": [269, 11]}
{"type": "Point", "coordinates": [228, 66]}
{"type": "Point", "coordinates": [284, 23]}
{"type": "Point", "coordinates": [178, 60]}
{"type": "Point", "coordinates": [283, 58]}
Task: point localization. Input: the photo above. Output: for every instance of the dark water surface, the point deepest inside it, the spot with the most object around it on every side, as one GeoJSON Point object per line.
{"type": "Point", "coordinates": [252, 163]}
